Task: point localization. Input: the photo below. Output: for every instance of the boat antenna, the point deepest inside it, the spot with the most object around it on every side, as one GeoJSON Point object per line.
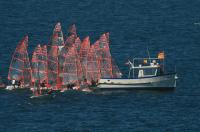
{"type": "Point", "coordinates": [175, 68]}
{"type": "Point", "coordinates": [148, 52]}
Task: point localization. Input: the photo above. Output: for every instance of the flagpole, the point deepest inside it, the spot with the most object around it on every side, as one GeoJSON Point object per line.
{"type": "Point", "coordinates": [164, 61]}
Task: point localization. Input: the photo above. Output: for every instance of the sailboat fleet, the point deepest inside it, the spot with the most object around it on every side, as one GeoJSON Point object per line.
{"type": "Point", "coordinates": [61, 65]}
{"type": "Point", "coordinates": [70, 63]}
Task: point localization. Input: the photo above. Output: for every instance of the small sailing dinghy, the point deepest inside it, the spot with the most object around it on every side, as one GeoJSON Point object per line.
{"type": "Point", "coordinates": [147, 74]}
{"type": "Point", "coordinates": [39, 72]}
{"type": "Point", "coordinates": [20, 70]}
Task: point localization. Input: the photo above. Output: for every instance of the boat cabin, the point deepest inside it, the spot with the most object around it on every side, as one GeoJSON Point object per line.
{"type": "Point", "coordinates": [145, 67]}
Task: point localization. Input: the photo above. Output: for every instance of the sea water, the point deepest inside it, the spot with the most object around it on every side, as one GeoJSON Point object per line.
{"type": "Point", "coordinates": [134, 25]}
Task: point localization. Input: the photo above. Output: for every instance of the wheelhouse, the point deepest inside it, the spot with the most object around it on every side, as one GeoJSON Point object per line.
{"type": "Point", "coordinates": [145, 67]}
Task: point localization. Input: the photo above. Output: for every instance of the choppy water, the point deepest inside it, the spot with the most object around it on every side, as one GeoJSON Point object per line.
{"type": "Point", "coordinates": [133, 25]}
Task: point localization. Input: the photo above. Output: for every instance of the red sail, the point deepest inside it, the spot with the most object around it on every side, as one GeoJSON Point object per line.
{"type": "Point", "coordinates": [70, 40]}
{"type": "Point", "coordinates": [20, 66]}
{"type": "Point", "coordinates": [115, 70]}
{"type": "Point", "coordinates": [71, 36]}
{"type": "Point", "coordinates": [72, 69]}
{"type": "Point", "coordinates": [39, 65]}
{"type": "Point", "coordinates": [36, 58]}
{"type": "Point", "coordinates": [103, 53]}
{"type": "Point", "coordinates": [108, 37]}
{"type": "Point", "coordinates": [77, 44]}
{"type": "Point", "coordinates": [44, 64]}
{"type": "Point", "coordinates": [57, 37]}
{"type": "Point", "coordinates": [56, 44]}
{"type": "Point", "coordinates": [72, 30]}
{"type": "Point", "coordinates": [53, 67]}
{"type": "Point", "coordinates": [35, 64]}
{"type": "Point", "coordinates": [85, 46]}
{"type": "Point", "coordinates": [93, 69]}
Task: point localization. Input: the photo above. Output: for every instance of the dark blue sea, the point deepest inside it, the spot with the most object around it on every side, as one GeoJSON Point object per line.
{"type": "Point", "coordinates": [134, 25]}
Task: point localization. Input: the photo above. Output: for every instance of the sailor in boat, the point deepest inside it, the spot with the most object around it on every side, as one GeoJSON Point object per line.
{"type": "Point", "coordinates": [70, 86]}
{"type": "Point", "coordinates": [19, 83]}
{"type": "Point", "coordinates": [14, 83]}
{"type": "Point", "coordinates": [85, 86]}
{"type": "Point", "coordinates": [50, 91]}
{"type": "Point", "coordinates": [93, 83]}
{"type": "Point", "coordinates": [75, 86]}
{"type": "Point", "coordinates": [43, 84]}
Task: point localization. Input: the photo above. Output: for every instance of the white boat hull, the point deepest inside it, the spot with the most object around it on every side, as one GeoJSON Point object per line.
{"type": "Point", "coordinates": [11, 87]}
{"type": "Point", "coordinates": [156, 82]}
{"type": "Point", "coordinates": [38, 96]}
{"type": "Point", "coordinates": [42, 88]}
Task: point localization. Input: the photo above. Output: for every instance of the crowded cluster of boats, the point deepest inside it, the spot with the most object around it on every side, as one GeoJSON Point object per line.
{"type": "Point", "coordinates": [70, 63]}
{"type": "Point", "coordinates": [62, 64]}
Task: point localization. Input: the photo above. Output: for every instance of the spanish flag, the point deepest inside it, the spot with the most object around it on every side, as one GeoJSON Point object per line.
{"type": "Point", "coordinates": [161, 55]}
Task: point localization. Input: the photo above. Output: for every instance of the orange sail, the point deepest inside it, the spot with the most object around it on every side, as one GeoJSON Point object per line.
{"type": "Point", "coordinates": [20, 69]}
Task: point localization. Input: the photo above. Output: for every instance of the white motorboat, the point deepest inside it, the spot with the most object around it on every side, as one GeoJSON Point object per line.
{"type": "Point", "coordinates": [148, 76]}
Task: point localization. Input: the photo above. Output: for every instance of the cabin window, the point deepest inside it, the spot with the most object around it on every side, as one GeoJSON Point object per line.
{"type": "Point", "coordinates": [147, 72]}
{"type": "Point", "coordinates": [150, 72]}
